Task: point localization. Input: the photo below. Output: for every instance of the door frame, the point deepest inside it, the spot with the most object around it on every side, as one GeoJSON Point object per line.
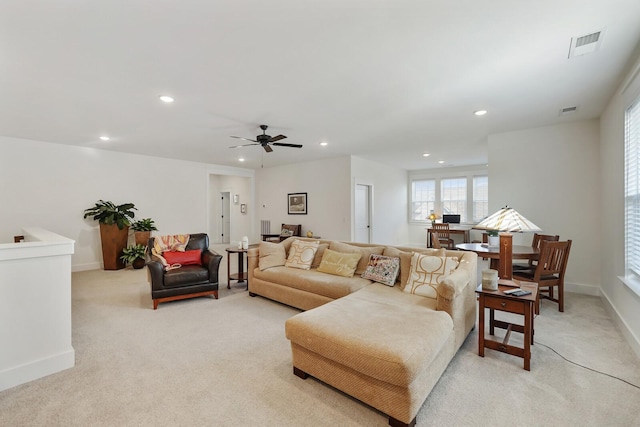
{"type": "Point", "coordinates": [370, 187]}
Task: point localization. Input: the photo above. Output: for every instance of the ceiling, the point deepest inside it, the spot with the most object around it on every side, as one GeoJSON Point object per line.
{"type": "Point", "coordinates": [386, 80]}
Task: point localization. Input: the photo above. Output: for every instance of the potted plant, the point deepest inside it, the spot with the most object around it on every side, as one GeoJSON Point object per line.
{"type": "Point", "coordinates": [493, 238]}
{"type": "Point", "coordinates": [134, 255]}
{"type": "Point", "coordinates": [114, 230]}
{"type": "Point", "coordinates": [142, 230]}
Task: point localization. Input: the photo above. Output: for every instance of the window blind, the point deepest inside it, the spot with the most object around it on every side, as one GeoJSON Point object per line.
{"type": "Point", "coordinates": [632, 187]}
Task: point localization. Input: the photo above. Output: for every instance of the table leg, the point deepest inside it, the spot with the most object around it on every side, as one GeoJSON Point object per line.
{"type": "Point", "coordinates": [228, 270]}
{"type": "Point", "coordinates": [492, 320]}
{"type": "Point", "coordinates": [240, 266]}
{"type": "Point", "coordinates": [528, 328]}
{"type": "Point", "coordinates": [481, 326]}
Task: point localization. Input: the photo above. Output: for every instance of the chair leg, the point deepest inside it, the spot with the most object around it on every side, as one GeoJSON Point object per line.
{"type": "Point", "coordinates": [561, 297]}
{"type": "Point", "coordinates": [155, 304]}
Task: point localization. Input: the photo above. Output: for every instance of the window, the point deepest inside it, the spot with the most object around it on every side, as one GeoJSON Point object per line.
{"type": "Point", "coordinates": [461, 192]}
{"type": "Point", "coordinates": [423, 199]}
{"type": "Point", "coordinates": [480, 198]}
{"type": "Point", "coordinates": [632, 187]}
{"type": "Point", "coordinates": [454, 197]}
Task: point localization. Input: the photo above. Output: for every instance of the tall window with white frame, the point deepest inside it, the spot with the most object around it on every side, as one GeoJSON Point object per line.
{"type": "Point", "coordinates": [480, 198]}
{"type": "Point", "coordinates": [632, 188]}
{"type": "Point", "coordinates": [423, 199]}
{"type": "Point", "coordinates": [453, 193]}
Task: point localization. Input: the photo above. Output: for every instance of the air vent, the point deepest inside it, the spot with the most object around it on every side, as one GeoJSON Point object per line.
{"type": "Point", "coordinates": [568, 110]}
{"type": "Point", "coordinates": [588, 43]}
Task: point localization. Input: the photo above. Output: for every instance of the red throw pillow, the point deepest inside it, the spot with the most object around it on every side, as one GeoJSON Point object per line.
{"type": "Point", "coordinates": [183, 258]}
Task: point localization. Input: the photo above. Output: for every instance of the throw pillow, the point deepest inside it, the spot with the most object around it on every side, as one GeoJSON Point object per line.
{"type": "Point", "coordinates": [427, 272]}
{"type": "Point", "coordinates": [382, 269]}
{"type": "Point", "coordinates": [271, 255]}
{"type": "Point", "coordinates": [364, 251]}
{"type": "Point", "coordinates": [301, 254]}
{"type": "Point", "coordinates": [183, 258]}
{"type": "Point", "coordinates": [319, 253]}
{"type": "Point", "coordinates": [286, 232]}
{"type": "Point", "coordinates": [339, 264]}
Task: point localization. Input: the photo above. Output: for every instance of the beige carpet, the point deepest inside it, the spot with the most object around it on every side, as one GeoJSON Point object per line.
{"type": "Point", "coordinates": [226, 362]}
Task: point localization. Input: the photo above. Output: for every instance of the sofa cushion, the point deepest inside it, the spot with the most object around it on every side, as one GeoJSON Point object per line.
{"type": "Point", "coordinates": [376, 334]}
{"type": "Point", "coordinates": [427, 272]}
{"type": "Point", "coordinates": [301, 254]}
{"type": "Point", "coordinates": [271, 255]}
{"type": "Point", "coordinates": [365, 251]}
{"type": "Point", "coordinates": [186, 276]}
{"type": "Point", "coordinates": [338, 263]}
{"type": "Point", "coordinates": [382, 269]}
{"type": "Point", "coordinates": [312, 281]}
{"type": "Point", "coordinates": [318, 256]}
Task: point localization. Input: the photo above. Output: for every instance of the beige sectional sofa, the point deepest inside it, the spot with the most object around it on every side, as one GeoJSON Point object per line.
{"type": "Point", "coordinates": [377, 343]}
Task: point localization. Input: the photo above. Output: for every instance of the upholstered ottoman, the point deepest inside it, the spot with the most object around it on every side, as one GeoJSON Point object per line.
{"type": "Point", "coordinates": [380, 345]}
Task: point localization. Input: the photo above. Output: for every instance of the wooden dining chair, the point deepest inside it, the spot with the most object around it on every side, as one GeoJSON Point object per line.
{"type": "Point", "coordinates": [440, 232]}
{"type": "Point", "coordinates": [435, 243]}
{"type": "Point", "coordinates": [535, 243]}
{"type": "Point", "coordinates": [549, 272]}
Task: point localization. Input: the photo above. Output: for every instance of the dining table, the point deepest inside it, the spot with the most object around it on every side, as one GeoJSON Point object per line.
{"type": "Point", "coordinates": [493, 252]}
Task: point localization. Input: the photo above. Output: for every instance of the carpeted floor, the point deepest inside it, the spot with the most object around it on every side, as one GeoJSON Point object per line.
{"type": "Point", "coordinates": [226, 362]}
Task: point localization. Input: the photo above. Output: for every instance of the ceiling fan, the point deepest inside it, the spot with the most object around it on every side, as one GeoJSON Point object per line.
{"type": "Point", "coordinates": [266, 141]}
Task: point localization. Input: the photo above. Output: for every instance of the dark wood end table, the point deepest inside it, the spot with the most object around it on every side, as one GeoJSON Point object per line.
{"type": "Point", "coordinates": [498, 300]}
{"type": "Point", "coordinates": [241, 275]}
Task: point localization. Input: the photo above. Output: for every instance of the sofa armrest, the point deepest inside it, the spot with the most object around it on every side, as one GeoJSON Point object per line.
{"type": "Point", "coordinates": [211, 260]}
{"type": "Point", "coordinates": [450, 288]}
{"type": "Point", "coordinates": [253, 256]}
{"type": "Point", "coordinates": [157, 274]}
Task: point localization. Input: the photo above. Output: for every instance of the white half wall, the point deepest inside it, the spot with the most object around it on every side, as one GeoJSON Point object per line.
{"type": "Point", "coordinates": [50, 185]}
{"type": "Point", "coordinates": [551, 175]}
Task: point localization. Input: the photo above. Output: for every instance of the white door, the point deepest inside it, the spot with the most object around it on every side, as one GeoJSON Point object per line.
{"type": "Point", "coordinates": [225, 217]}
{"type": "Point", "coordinates": [363, 213]}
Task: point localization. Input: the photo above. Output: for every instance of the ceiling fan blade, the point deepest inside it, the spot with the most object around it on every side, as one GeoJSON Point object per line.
{"type": "Point", "coordinates": [267, 148]}
{"type": "Point", "coordinates": [244, 145]}
{"type": "Point", "coordinates": [246, 139]}
{"type": "Point", "coordinates": [282, 144]}
{"type": "Point", "coordinates": [277, 138]}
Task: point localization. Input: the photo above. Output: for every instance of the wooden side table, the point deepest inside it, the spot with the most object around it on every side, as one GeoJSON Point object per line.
{"type": "Point", "coordinates": [241, 275]}
{"type": "Point", "coordinates": [498, 300]}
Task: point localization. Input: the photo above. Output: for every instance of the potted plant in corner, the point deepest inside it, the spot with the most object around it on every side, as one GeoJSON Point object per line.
{"type": "Point", "coordinates": [142, 230]}
{"type": "Point", "coordinates": [134, 255]}
{"type": "Point", "coordinates": [114, 230]}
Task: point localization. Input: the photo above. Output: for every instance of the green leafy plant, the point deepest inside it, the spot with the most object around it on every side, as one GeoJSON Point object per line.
{"type": "Point", "coordinates": [145, 224]}
{"type": "Point", "coordinates": [492, 233]}
{"type": "Point", "coordinates": [132, 253]}
{"type": "Point", "coordinates": [110, 213]}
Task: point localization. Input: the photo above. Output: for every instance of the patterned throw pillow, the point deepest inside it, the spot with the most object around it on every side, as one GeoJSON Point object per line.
{"type": "Point", "coordinates": [427, 272]}
{"type": "Point", "coordinates": [301, 254]}
{"type": "Point", "coordinates": [339, 264]}
{"type": "Point", "coordinates": [382, 269]}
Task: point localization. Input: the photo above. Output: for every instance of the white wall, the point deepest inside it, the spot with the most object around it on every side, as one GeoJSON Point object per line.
{"type": "Point", "coordinates": [623, 302]}
{"type": "Point", "coordinates": [328, 186]}
{"type": "Point", "coordinates": [50, 185]}
{"type": "Point", "coordinates": [240, 224]}
{"type": "Point", "coordinates": [389, 207]}
{"type": "Point", "coordinates": [551, 176]}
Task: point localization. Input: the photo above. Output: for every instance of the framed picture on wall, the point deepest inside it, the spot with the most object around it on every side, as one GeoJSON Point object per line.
{"type": "Point", "coordinates": [243, 208]}
{"type": "Point", "coordinates": [297, 203]}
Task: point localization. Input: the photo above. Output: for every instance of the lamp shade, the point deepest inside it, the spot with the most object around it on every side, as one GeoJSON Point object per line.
{"type": "Point", "coordinates": [507, 219]}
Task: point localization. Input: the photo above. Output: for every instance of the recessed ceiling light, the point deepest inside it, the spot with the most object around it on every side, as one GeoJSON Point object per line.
{"type": "Point", "coordinates": [166, 98]}
{"type": "Point", "coordinates": [480, 112]}
{"type": "Point", "coordinates": [441, 161]}
{"type": "Point", "coordinates": [426, 155]}
{"type": "Point", "coordinates": [104, 138]}
{"type": "Point", "coordinates": [324, 144]}
{"type": "Point", "coordinates": [241, 159]}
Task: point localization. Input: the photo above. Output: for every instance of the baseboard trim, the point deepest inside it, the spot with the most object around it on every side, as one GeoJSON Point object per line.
{"type": "Point", "coordinates": [21, 374]}
{"type": "Point", "coordinates": [86, 267]}
{"type": "Point", "coordinates": [584, 289]}
{"type": "Point", "coordinates": [628, 334]}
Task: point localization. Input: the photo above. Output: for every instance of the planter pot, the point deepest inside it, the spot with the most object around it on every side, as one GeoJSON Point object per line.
{"type": "Point", "coordinates": [142, 237]}
{"type": "Point", "coordinates": [113, 241]}
{"type": "Point", "coordinates": [138, 264]}
{"type": "Point", "coordinates": [494, 240]}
